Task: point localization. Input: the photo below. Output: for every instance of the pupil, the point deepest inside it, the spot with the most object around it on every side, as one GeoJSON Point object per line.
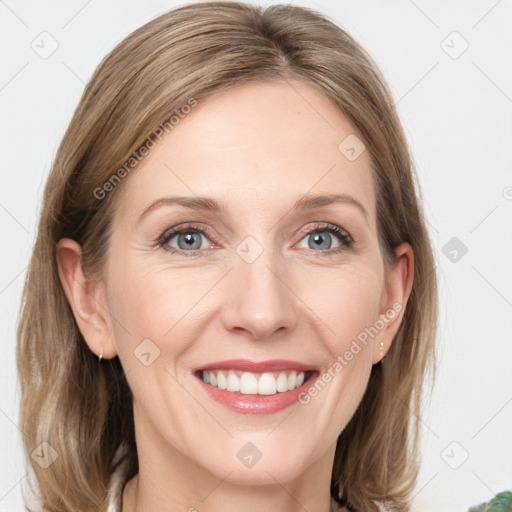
{"type": "Point", "coordinates": [319, 239]}
{"type": "Point", "coordinates": [189, 240]}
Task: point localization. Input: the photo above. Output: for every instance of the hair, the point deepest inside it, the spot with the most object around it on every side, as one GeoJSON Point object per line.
{"type": "Point", "coordinates": [83, 409]}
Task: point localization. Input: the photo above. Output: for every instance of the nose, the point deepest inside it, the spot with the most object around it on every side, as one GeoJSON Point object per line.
{"type": "Point", "coordinates": [260, 299]}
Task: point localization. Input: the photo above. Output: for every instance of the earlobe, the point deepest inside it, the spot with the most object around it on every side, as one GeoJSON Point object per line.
{"type": "Point", "coordinates": [398, 288]}
{"type": "Point", "coordinates": [86, 298]}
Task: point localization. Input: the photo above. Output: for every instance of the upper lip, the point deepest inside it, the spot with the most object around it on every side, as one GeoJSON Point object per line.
{"type": "Point", "coordinates": [272, 365]}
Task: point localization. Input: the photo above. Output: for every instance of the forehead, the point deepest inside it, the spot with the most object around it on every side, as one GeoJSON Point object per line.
{"type": "Point", "coordinates": [255, 146]}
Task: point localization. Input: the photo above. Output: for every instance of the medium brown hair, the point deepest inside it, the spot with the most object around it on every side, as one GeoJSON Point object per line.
{"type": "Point", "coordinates": [83, 409]}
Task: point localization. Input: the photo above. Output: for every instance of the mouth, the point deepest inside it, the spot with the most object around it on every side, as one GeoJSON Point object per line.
{"type": "Point", "coordinates": [255, 387]}
{"type": "Point", "coordinates": [255, 383]}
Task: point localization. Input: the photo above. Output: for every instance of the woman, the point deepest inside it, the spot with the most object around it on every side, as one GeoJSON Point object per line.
{"type": "Point", "coordinates": [233, 228]}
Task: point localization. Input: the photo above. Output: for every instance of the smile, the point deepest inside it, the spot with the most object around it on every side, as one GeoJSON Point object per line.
{"type": "Point", "coordinates": [251, 383]}
{"type": "Point", "coordinates": [255, 387]}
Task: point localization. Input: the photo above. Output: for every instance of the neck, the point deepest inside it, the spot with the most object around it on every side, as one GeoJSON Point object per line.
{"type": "Point", "coordinates": [131, 502]}
{"type": "Point", "coordinates": [167, 481]}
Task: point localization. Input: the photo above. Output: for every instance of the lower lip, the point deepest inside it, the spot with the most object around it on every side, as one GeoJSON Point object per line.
{"type": "Point", "coordinates": [256, 404]}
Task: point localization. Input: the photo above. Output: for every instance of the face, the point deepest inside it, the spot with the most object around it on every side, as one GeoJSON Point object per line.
{"type": "Point", "coordinates": [260, 279]}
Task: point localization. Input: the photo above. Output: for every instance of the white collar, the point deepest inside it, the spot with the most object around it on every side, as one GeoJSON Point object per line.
{"type": "Point", "coordinates": [118, 478]}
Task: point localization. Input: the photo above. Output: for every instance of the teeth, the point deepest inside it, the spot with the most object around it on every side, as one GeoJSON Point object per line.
{"type": "Point", "coordinates": [282, 383]}
{"type": "Point", "coordinates": [233, 382]}
{"type": "Point", "coordinates": [292, 380]}
{"type": "Point", "coordinates": [249, 383]}
{"type": "Point", "coordinates": [267, 385]}
{"type": "Point", "coordinates": [222, 382]}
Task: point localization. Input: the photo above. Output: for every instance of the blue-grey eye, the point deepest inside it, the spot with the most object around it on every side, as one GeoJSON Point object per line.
{"type": "Point", "coordinates": [322, 238]}
{"type": "Point", "coordinates": [190, 240]}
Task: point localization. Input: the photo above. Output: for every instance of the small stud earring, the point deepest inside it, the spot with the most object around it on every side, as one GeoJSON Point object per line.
{"type": "Point", "coordinates": [381, 351]}
{"type": "Point", "coordinates": [100, 357]}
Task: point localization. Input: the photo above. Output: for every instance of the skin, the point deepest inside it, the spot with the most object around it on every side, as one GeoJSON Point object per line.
{"type": "Point", "coordinates": [257, 148]}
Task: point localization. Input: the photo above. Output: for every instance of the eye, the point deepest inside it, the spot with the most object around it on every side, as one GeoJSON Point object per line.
{"type": "Point", "coordinates": [321, 237]}
{"type": "Point", "coordinates": [188, 239]}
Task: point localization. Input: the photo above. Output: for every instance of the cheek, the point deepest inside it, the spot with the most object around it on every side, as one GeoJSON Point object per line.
{"type": "Point", "coordinates": [150, 302]}
{"type": "Point", "coordinates": [347, 306]}
{"type": "Point", "coordinates": [138, 308]}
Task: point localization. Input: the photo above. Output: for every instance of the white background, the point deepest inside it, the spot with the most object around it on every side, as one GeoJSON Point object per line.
{"type": "Point", "coordinates": [457, 116]}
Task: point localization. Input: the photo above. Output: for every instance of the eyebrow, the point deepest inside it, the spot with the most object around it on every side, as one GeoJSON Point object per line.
{"type": "Point", "coordinates": [208, 204]}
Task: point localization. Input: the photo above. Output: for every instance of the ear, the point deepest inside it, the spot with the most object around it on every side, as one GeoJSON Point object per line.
{"type": "Point", "coordinates": [397, 291]}
{"type": "Point", "coordinates": [86, 298]}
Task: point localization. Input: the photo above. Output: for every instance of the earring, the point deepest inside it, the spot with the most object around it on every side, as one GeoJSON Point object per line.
{"type": "Point", "coordinates": [100, 357]}
{"type": "Point", "coordinates": [381, 351]}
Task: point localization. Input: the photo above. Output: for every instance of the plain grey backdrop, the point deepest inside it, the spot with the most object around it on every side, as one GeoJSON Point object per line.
{"type": "Point", "coordinates": [449, 67]}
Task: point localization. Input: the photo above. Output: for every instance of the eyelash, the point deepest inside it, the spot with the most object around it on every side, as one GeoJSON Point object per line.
{"type": "Point", "coordinates": [344, 237]}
